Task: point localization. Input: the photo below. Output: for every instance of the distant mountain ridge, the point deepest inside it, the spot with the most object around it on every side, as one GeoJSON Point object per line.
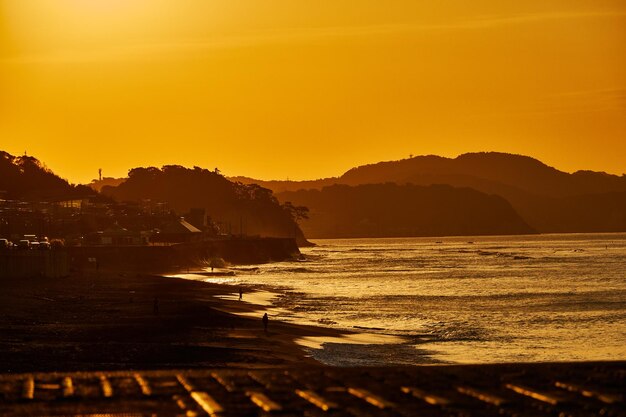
{"type": "Point", "coordinates": [279, 186]}
{"type": "Point", "coordinates": [549, 200]}
{"type": "Point", "coordinates": [522, 172]}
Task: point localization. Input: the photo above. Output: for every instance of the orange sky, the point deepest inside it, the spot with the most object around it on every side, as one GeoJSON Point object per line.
{"type": "Point", "coordinates": [308, 89]}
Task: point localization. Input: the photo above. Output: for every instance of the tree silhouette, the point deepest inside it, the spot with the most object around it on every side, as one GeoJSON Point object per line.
{"type": "Point", "coordinates": [296, 213]}
{"type": "Point", "coordinates": [225, 201]}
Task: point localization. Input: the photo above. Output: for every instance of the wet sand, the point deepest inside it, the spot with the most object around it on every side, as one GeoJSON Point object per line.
{"type": "Point", "coordinates": [108, 321]}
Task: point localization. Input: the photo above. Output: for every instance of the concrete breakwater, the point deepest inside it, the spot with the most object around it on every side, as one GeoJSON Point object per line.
{"type": "Point", "coordinates": [182, 255]}
{"type": "Point", "coordinates": [545, 389]}
{"type": "Point", "coordinates": [33, 263]}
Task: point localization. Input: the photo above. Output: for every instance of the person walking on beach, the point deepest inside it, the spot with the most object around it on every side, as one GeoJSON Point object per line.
{"type": "Point", "coordinates": [265, 320]}
{"type": "Point", "coordinates": [240, 293]}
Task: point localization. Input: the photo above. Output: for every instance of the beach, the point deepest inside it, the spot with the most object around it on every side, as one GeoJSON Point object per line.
{"type": "Point", "coordinates": [105, 320]}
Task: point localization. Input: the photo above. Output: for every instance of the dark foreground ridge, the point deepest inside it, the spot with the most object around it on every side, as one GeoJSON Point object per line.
{"type": "Point", "coordinates": [559, 389]}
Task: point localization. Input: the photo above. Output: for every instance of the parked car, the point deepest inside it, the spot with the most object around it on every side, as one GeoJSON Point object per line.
{"type": "Point", "coordinates": [23, 244]}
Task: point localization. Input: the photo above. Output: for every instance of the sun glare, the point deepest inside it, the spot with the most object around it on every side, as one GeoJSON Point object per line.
{"type": "Point", "coordinates": [71, 24]}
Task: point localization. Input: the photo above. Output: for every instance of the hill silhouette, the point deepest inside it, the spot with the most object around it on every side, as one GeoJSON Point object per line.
{"type": "Point", "coordinates": [26, 178]}
{"type": "Point", "coordinates": [392, 210]}
{"type": "Point", "coordinates": [518, 171]}
{"type": "Point", "coordinates": [236, 207]}
{"type": "Point", "coordinates": [549, 200]}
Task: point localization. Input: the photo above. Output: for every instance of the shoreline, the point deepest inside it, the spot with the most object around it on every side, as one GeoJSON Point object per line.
{"type": "Point", "coordinates": [330, 346]}
{"type": "Point", "coordinates": [107, 320]}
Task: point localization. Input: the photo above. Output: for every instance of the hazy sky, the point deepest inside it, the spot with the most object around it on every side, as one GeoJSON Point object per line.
{"type": "Point", "coordinates": [310, 88]}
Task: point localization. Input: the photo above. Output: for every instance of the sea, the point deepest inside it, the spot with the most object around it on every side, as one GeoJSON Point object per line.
{"type": "Point", "coordinates": [534, 298]}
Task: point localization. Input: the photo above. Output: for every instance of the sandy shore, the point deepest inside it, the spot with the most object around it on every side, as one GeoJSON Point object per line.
{"type": "Point", "coordinates": [107, 321]}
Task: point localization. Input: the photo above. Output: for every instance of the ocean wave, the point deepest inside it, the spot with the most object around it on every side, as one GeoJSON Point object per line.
{"type": "Point", "coordinates": [455, 330]}
{"type": "Point", "coordinates": [254, 269]}
{"type": "Point", "coordinates": [369, 328]}
{"type": "Point", "coordinates": [300, 270]}
{"type": "Point", "coordinates": [385, 250]}
{"type": "Point", "coordinates": [349, 355]}
{"type": "Point", "coordinates": [510, 255]}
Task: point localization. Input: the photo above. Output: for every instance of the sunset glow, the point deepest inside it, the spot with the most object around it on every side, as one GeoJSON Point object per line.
{"type": "Point", "coordinates": [255, 207]}
{"type": "Point", "coordinates": [279, 89]}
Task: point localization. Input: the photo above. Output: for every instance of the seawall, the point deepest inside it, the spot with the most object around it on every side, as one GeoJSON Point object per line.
{"type": "Point", "coordinates": [33, 263]}
{"type": "Point", "coordinates": [239, 251]}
